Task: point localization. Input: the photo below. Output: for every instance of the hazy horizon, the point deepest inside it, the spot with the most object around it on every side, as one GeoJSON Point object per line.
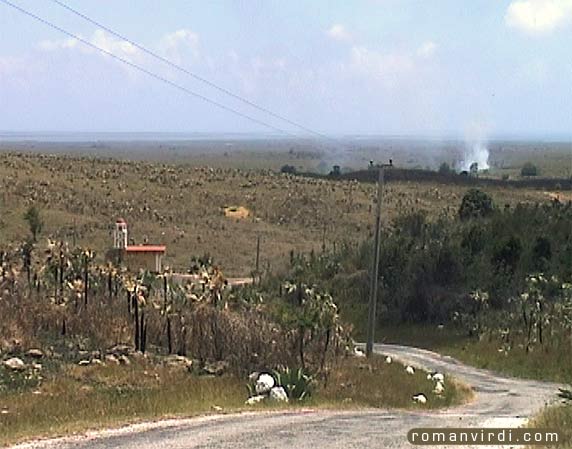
{"type": "Point", "coordinates": [166, 136]}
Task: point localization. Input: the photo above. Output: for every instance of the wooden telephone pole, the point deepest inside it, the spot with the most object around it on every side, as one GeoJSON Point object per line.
{"type": "Point", "coordinates": [372, 312]}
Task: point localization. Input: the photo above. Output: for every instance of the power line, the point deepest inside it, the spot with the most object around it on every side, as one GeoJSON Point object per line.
{"type": "Point", "coordinates": [188, 72]}
{"type": "Point", "coordinates": [144, 70]}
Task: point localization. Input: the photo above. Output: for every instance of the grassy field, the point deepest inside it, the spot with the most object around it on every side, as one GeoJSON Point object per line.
{"type": "Point", "coordinates": [182, 206]}
{"type": "Point", "coordinates": [77, 398]}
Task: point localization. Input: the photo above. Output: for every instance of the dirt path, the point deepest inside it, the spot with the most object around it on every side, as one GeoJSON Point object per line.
{"type": "Point", "coordinates": [499, 402]}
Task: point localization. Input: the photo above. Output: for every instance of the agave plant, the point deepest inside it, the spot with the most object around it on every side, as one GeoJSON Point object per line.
{"type": "Point", "coordinates": [297, 383]}
{"type": "Point", "coordinates": [565, 395]}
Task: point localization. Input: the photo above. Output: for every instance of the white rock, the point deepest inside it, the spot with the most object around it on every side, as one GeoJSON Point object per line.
{"type": "Point", "coordinates": [35, 353]}
{"type": "Point", "coordinates": [15, 364]}
{"type": "Point", "coordinates": [409, 369]}
{"type": "Point", "coordinates": [438, 377]}
{"type": "Point", "coordinates": [278, 394]}
{"type": "Point", "coordinates": [388, 359]}
{"type": "Point", "coordinates": [358, 352]}
{"type": "Point", "coordinates": [439, 388]}
{"type": "Point", "coordinates": [110, 358]}
{"type": "Point", "coordinates": [420, 398]}
{"type": "Point", "coordinates": [83, 362]}
{"type": "Point", "coordinates": [255, 399]}
{"type": "Point", "coordinates": [264, 384]}
{"type": "Point", "coordinates": [429, 376]}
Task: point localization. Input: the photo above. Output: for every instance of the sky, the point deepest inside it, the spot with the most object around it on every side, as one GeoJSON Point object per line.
{"type": "Point", "coordinates": [385, 67]}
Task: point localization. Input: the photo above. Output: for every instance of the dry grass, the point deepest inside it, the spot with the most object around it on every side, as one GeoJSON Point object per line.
{"type": "Point", "coordinates": [182, 206]}
{"type": "Point", "coordinates": [557, 417]}
{"type": "Point", "coordinates": [374, 383]}
{"type": "Point", "coordinates": [79, 398]}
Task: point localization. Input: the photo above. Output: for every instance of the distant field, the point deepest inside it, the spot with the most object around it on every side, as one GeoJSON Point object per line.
{"type": "Point", "coordinates": [177, 196]}
{"type": "Point", "coordinates": [553, 158]}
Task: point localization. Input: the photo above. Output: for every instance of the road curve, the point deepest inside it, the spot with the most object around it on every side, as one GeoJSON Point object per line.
{"type": "Point", "coordinates": [499, 402]}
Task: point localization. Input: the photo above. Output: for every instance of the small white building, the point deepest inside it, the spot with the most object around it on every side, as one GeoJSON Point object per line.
{"type": "Point", "coordinates": [137, 257]}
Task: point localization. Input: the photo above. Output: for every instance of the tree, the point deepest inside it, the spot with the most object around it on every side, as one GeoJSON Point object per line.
{"type": "Point", "coordinates": [541, 253]}
{"type": "Point", "coordinates": [475, 204]}
{"type": "Point", "coordinates": [507, 253]}
{"type": "Point", "coordinates": [35, 222]}
{"type": "Point", "coordinates": [529, 169]}
{"type": "Point", "coordinates": [444, 168]}
{"type": "Point", "coordinates": [474, 240]}
{"type": "Point", "coordinates": [290, 169]}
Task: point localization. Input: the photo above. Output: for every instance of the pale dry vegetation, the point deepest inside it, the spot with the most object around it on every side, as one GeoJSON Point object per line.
{"type": "Point", "coordinates": [182, 206]}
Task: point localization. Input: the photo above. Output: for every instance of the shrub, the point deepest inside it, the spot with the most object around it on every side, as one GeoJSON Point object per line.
{"type": "Point", "coordinates": [507, 253]}
{"type": "Point", "coordinates": [541, 253]}
{"type": "Point", "coordinates": [35, 222]}
{"type": "Point", "coordinates": [529, 169]}
{"type": "Point", "coordinates": [474, 240]}
{"type": "Point", "coordinates": [475, 204]}
{"type": "Point", "coordinates": [444, 168]}
{"type": "Point", "coordinates": [290, 169]}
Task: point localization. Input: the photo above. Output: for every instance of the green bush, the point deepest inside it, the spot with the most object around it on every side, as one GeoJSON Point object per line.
{"type": "Point", "coordinates": [35, 222]}
{"type": "Point", "coordinates": [529, 169]}
{"type": "Point", "coordinates": [475, 204]}
{"type": "Point", "coordinates": [428, 269]}
{"type": "Point", "coordinates": [445, 169]}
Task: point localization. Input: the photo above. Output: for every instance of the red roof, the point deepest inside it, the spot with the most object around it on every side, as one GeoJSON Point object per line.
{"type": "Point", "coordinates": [146, 249]}
{"type": "Point", "coordinates": [120, 220]}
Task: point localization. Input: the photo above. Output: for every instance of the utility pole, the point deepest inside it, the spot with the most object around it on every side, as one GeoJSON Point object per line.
{"type": "Point", "coordinates": [371, 318]}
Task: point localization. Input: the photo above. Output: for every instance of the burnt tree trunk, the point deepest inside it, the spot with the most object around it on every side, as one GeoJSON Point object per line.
{"type": "Point", "coordinates": [137, 335]}
{"type": "Point", "coordinates": [169, 336]}
{"type": "Point", "coordinates": [85, 282]}
{"type": "Point", "coordinates": [143, 336]}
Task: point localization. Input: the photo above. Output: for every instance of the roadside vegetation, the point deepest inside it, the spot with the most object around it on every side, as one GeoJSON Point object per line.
{"type": "Point", "coordinates": [489, 272]}
{"type": "Point", "coordinates": [78, 398]}
{"type": "Point", "coordinates": [557, 417]}
{"type": "Point", "coordinates": [496, 278]}
{"type": "Point", "coordinates": [118, 347]}
{"type": "Point", "coordinates": [492, 287]}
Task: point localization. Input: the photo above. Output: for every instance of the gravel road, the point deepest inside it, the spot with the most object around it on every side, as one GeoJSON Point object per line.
{"type": "Point", "coordinates": [498, 402]}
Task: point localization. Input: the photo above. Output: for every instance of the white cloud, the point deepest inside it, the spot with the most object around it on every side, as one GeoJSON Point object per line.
{"type": "Point", "coordinates": [108, 43]}
{"type": "Point", "coordinates": [538, 16]}
{"type": "Point", "coordinates": [427, 49]}
{"type": "Point", "coordinates": [339, 32]}
{"type": "Point", "coordinates": [176, 43]}
{"type": "Point", "coordinates": [99, 38]}
{"type": "Point", "coordinates": [49, 45]}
